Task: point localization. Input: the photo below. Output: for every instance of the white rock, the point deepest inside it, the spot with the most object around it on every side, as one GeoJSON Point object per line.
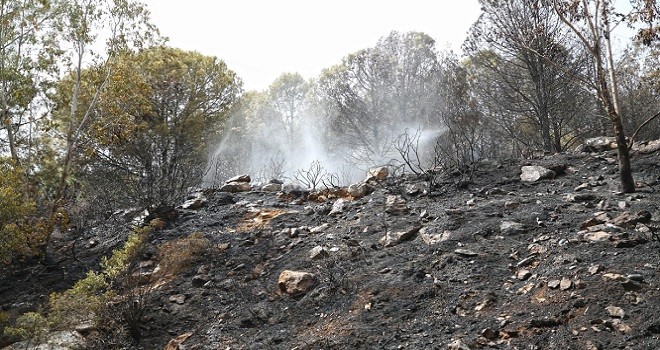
{"type": "Point", "coordinates": [531, 173]}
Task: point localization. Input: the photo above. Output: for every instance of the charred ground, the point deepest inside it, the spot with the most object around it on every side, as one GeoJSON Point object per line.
{"type": "Point", "coordinates": [492, 262]}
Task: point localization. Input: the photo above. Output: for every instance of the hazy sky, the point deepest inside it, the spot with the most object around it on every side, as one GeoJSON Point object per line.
{"type": "Point", "coordinates": [261, 39]}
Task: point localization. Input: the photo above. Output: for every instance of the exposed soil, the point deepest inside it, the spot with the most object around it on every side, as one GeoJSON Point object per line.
{"type": "Point", "coordinates": [512, 265]}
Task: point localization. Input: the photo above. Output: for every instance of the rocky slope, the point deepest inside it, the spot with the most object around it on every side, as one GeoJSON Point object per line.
{"type": "Point", "coordinates": [558, 261]}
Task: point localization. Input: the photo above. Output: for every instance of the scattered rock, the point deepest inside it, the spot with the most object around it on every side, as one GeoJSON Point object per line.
{"type": "Point", "coordinates": [457, 345]}
{"type": "Point", "coordinates": [465, 252]}
{"type": "Point", "coordinates": [62, 340]}
{"type": "Point", "coordinates": [319, 229]}
{"type": "Point", "coordinates": [318, 253]}
{"type": "Point", "coordinates": [511, 228]}
{"type": "Point", "coordinates": [359, 190]}
{"type": "Point", "coordinates": [245, 178]}
{"type": "Point", "coordinates": [554, 284]}
{"type": "Point", "coordinates": [524, 275]}
{"type": "Point", "coordinates": [489, 334]}
{"type": "Point", "coordinates": [178, 299]}
{"type": "Point", "coordinates": [565, 284]}
{"type": "Point", "coordinates": [629, 220]}
{"type": "Point", "coordinates": [598, 236]}
{"type": "Point", "coordinates": [433, 238]}
{"type": "Point", "coordinates": [271, 187]}
{"type": "Point", "coordinates": [195, 201]}
{"type": "Point", "coordinates": [235, 187]}
{"type": "Point", "coordinates": [532, 173]}
{"type": "Point", "coordinates": [395, 205]}
{"type": "Point", "coordinates": [599, 144]}
{"type": "Point", "coordinates": [393, 238]}
{"type": "Point", "coordinates": [615, 311]}
{"type": "Point", "coordinates": [338, 206]}
{"type": "Point", "coordinates": [295, 283]}
{"type": "Point", "coordinates": [175, 343]}
{"type": "Point", "coordinates": [618, 325]}
{"type": "Point", "coordinates": [580, 197]}
{"type": "Point", "coordinates": [379, 174]}
{"type": "Point", "coordinates": [615, 277]}
{"type": "Point", "coordinates": [200, 280]}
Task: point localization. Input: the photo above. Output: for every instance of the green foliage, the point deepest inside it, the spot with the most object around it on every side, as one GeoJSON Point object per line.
{"type": "Point", "coordinates": [78, 304]}
{"type": "Point", "coordinates": [120, 259]}
{"type": "Point", "coordinates": [18, 238]}
{"type": "Point", "coordinates": [154, 121]}
{"type": "Point", "coordinates": [30, 325]}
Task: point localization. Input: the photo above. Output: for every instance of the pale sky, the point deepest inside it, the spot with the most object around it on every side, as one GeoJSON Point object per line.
{"type": "Point", "coordinates": [261, 39]}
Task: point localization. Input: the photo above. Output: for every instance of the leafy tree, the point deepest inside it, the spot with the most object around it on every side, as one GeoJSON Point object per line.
{"type": "Point", "coordinates": [151, 129]}
{"type": "Point", "coordinates": [19, 236]}
{"type": "Point", "coordinates": [27, 52]}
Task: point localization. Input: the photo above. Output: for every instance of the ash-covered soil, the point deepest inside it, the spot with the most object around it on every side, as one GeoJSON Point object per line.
{"type": "Point", "coordinates": [483, 262]}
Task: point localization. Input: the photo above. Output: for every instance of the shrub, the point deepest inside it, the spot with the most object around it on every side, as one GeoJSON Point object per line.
{"type": "Point", "coordinates": [80, 303]}
{"type": "Point", "coordinates": [29, 326]}
{"type": "Point", "coordinates": [176, 256]}
{"type": "Point", "coordinates": [18, 237]}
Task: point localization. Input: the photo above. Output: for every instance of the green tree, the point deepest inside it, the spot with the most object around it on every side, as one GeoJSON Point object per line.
{"type": "Point", "coordinates": [151, 129]}
{"type": "Point", "coordinates": [27, 63]}
{"type": "Point", "coordinates": [19, 236]}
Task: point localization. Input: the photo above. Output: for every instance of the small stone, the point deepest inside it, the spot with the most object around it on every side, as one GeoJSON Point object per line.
{"type": "Point", "coordinates": [532, 173]}
{"type": "Point", "coordinates": [565, 284]}
{"type": "Point", "coordinates": [615, 277]}
{"type": "Point", "coordinates": [240, 178]}
{"type": "Point", "coordinates": [358, 190]}
{"type": "Point", "coordinates": [393, 238]}
{"type": "Point", "coordinates": [433, 238]}
{"type": "Point", "coordinates": [295, 282]}
{"type": "Point", "coordinates": [320, 228]}
{"type": "Point", "coordinates": [615, 311]}
{"type": "Point", "coordinates": [635, 277]}
{"type": "Point", "coordinates": [489, 334]}
{"type": "Point", "coordinates": [271, 187]}
{"type": "Point", "coordinates": [526, 261]}
{"type": "Point", "coordinates": [178, 299]}
{"type": "Point", "coordinates": [234, 187]}
{"type": "Point", "coordinates": [379, 174]}
{"type": "Point", "coordinates": [457, 345]}
{"type": "Point", "coordinates": [395, 205]}
{"type": "Point", "coordinates": [465, 252]}
{"type": "Point", "coordinates": [598, 236]}
{"type": "Point", "coordinates": [554, 284]}
{"type": "Point", "coordinates": [318, 253]}
{"type": "Point", "coordinates": [511, 205]}
{"type": "Point", "coordinates": [580, 197]}
{"type": "Point", "coordinates": [200, 280]}
{"type": "Point", "coordinates": [618, 325]}
{"type": "Point", "coordinates": [594, 269]}
{"type": "Point", "coordinates": [584, 186]}
{"type": "Point", "coordinates": [590, 223]}
{"type": "Point", "coordinates": [338, 206]}
{"type": "Point", "coordinates": [523, 275]}
{"type": "Point", "coordinates": [511, 228]}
